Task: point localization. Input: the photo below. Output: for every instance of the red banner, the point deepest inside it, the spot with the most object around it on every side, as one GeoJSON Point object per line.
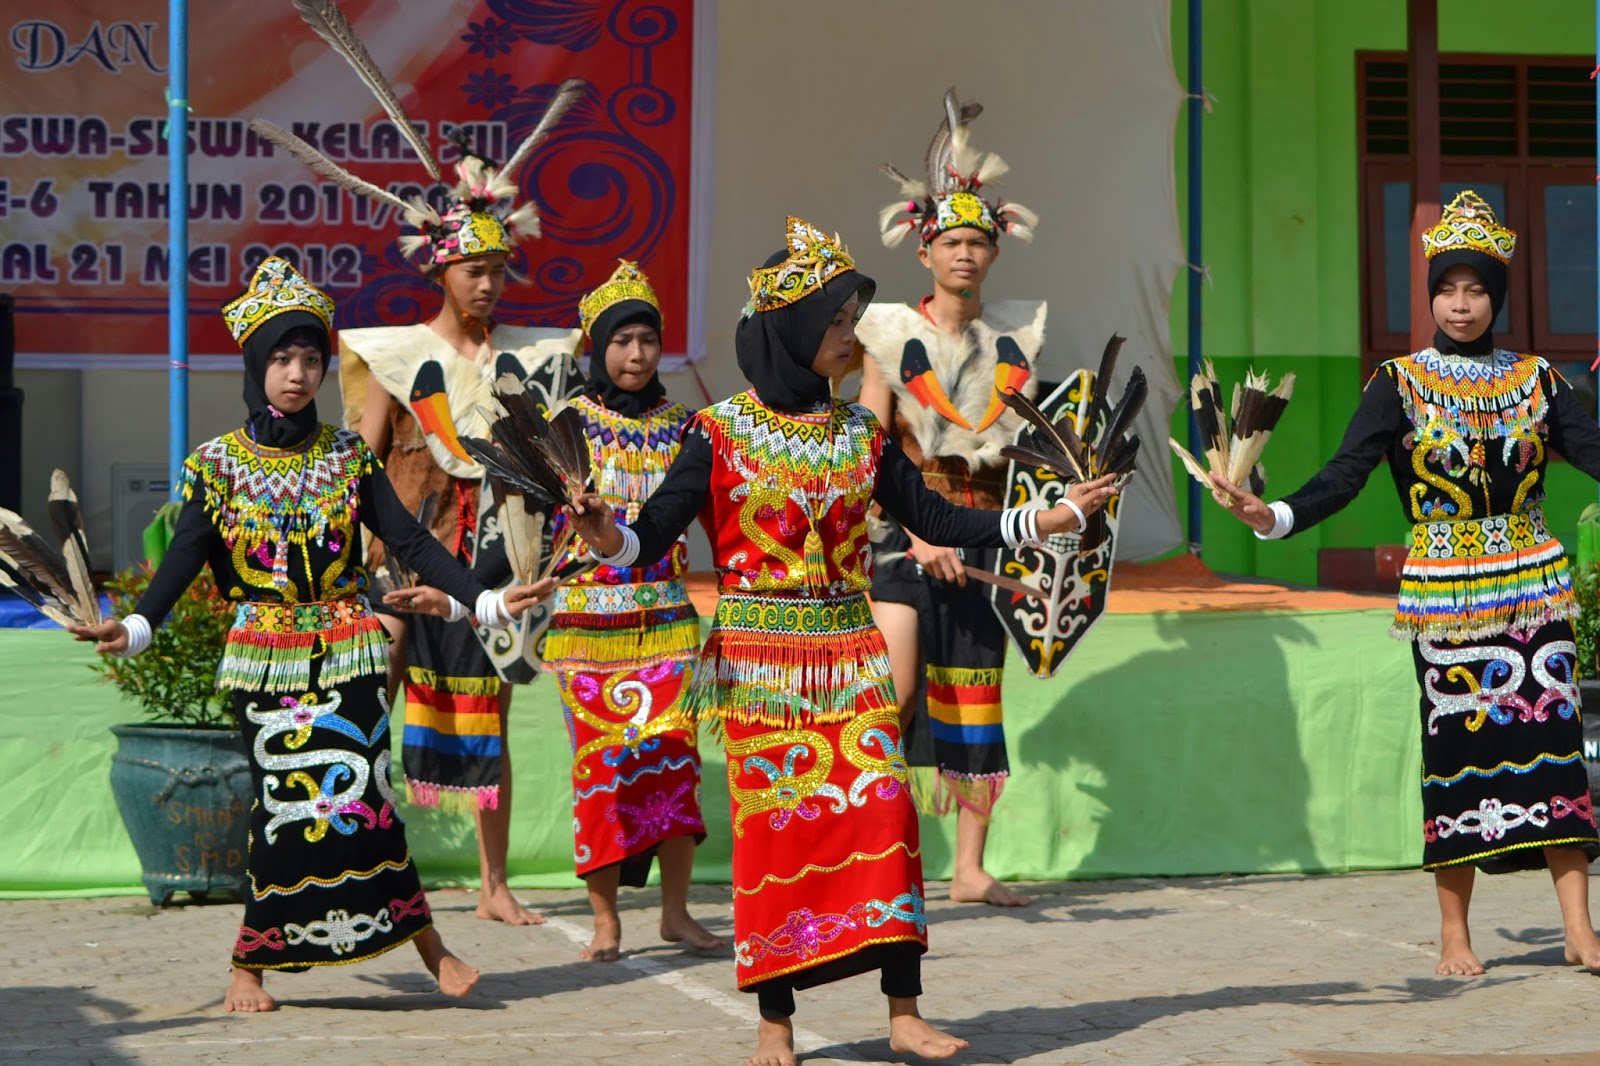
{"type": "Point", "coordinates": [83, 158]}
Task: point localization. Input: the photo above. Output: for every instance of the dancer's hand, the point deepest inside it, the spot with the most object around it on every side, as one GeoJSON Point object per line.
{"type": "Point", "coordinates": [419, 599]}
{"type": "Point", "coordinates": [520, 598]}
{"type": "Point", "coordinates": [595, 522]}
{"type": "Point", "coordinates": [110, 637]}
{"type": "Point", "coordinates": [1244, 506]}
{"type": "Point", "coordinates": [937, 561]}
{"type": "Point", "coordinates": [1090, 496]}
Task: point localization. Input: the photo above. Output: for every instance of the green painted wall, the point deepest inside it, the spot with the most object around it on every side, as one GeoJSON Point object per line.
{"type": "Point", "coordinates": [1281, 237]}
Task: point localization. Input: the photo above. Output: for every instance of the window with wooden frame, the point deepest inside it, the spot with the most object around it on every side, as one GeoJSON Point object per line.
{"type": "Point", "coordinates": [1521, 131]}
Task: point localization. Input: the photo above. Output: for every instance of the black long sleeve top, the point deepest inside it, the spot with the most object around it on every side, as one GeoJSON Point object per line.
{"type": "Point", "coordinates": [1465, 438]}
{"type": "Point", "coordinates": [899, 488]}
{"type": "Point", "coordinates": [229, 485]}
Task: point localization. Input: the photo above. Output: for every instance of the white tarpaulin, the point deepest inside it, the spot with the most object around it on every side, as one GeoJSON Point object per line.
{"type": "Point", "coordinates": [1079, 97]}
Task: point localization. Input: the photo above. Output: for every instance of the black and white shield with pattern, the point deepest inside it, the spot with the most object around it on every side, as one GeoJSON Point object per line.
{"type": "Point", "coordinates": [1071, 586]}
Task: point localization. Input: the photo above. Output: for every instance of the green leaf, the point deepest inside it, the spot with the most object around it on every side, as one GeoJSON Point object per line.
{"type": "Point", "coordinates": [175, 679]}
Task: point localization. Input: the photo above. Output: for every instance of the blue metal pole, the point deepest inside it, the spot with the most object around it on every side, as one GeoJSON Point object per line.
{"type": "Point", "coordinates": [177, 238]}
{"type": "Point", "coordinates": [1196, 278]}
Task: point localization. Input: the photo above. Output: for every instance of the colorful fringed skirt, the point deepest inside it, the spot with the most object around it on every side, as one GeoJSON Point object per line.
{"type": "Point", "coordinates": [330, 876]}
{"type": "Point", "coordinates": [826, 859]}
{"type": "Point", "coordinates": [1486, 604]}
{"type": "Point", "coordinates": [624, 684]}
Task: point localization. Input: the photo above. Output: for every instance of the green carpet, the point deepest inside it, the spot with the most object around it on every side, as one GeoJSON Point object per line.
{"type": "Point", "coordinates": [1170, 744]}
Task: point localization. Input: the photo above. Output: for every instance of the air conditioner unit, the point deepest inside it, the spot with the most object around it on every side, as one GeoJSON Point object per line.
{"type": "Point", "coordinates": [137, 491]}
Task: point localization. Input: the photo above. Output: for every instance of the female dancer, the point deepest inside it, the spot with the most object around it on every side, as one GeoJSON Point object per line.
{"type": "Point", "coordinates": [826, 864]}
{"type": "Point", "coordinates": [273, 508]}
{"type": "Point", "coordinates": [1485, 597]}
{"type": "Point", "coordinates": [622, 640]}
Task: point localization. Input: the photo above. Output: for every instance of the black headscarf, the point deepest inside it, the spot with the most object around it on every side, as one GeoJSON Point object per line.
{"type": "Point", "coordinates": [1492, 272]}
{"type": "Point", "coordinates": [269, 426]}
{"type": "Point", "coordinates": [776, 348]}
{"type": "Point", "coordinates": [600, 387]}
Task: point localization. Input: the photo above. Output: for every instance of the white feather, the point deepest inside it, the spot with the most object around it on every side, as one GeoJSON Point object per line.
{"type": "Point", "coordinates": [1020, 213]}
{"type": "Point", "coordinates": [524, 221]}
{"type": "Point", "coordinates": [992, 169]}
{"type": "Point", "coordinates": [889, 218]}
{"type": "Point", "coordinates": [893, 237]}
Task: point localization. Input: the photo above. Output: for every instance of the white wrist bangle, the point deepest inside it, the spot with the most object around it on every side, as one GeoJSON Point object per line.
{"type": "Point", "coordinates": [139, 633]}
{"type": "Point", "coordinates": [458, 610]}
{"type": "Point", "coordinates": [491, 609]}
{"type": "Point", "coordinates": [1083, 520]}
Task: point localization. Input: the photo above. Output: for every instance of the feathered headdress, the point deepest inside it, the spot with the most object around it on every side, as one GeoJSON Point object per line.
{"type": "Point", "coordinates": [952, 196]}
{"type": "Point", "coordinates": [478, 220]}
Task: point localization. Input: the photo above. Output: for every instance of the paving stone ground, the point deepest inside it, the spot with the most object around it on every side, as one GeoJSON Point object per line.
{"type": "Point", "coordinates": [1196, 970]}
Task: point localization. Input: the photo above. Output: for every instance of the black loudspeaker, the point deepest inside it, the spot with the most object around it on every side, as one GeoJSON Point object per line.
{"type": "Point", "coordinates": [10, 411]}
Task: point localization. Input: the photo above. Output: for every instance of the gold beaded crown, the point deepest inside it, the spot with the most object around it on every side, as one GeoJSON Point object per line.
{"type": "Point", "coordinates": [627, 282]}
{"type": "Point", "coordinates": [276, 289]}
{"type": "Point", "coordinates": [1469, 224]}
{"type": "Point", "coordinates": [814, 259]}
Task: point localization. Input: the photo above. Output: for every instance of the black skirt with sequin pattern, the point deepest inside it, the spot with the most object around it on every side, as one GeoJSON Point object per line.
{"type": "Point", "coordinates": [1502, 750]}
{"type": "Point", "coordinates": [331, 877]}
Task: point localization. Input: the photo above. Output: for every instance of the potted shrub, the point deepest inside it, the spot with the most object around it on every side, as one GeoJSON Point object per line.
{"type": "Point", "coordinates": [1586, 589]}
{"type": "Point", "coordinates": [181, 778]}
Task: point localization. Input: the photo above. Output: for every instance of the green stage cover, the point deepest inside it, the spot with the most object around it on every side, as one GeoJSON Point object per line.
{"type": "Point", "coordinates": [1170, 744]}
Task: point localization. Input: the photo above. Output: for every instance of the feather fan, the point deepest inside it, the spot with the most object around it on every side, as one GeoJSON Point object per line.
{"type": "Point", "coordinates": [67, 519]}
{"type": "Point", "coordinates": [395, 574]}
{"type": "Point", "coordinates": [330, 24]}
{"type": "Point", "coordinates": [547, 459]}
{"type": "Point", "coordinates": [1233, 439]}
{"type": "Point", "coordinates": [1108, 446]}
{"type": "Point", "coordinates": [57, 583]}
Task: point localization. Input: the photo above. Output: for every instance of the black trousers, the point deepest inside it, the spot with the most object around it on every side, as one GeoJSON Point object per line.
{"type": "Point", "coordinates": [900, 976]}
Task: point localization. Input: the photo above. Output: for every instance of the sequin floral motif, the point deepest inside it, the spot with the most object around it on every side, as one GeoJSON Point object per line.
{"type": "Point", "coordinates": [805, 934]}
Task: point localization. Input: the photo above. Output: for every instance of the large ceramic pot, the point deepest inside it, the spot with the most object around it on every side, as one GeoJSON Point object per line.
{"type": "Point", "coordinates": [1589, 694]}
{"type": "Point", "coordinates": [184, 795]}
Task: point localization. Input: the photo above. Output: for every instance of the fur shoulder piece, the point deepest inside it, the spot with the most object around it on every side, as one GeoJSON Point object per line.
{"type": "Point", "coordinates": [944, 384]}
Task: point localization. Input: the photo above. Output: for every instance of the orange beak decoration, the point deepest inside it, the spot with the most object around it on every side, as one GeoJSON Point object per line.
{"type": "Point", "coordinates": [916, 374]}
{"type": "Point", "coordinates": [1010, 372]}
{"type": "Point", "coordinates": [431, 406]}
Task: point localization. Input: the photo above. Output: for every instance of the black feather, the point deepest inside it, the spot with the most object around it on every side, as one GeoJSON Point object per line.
{"type": "Point", "coordinates": [1099, 404]}
{"type": "Point", "coordinates": [1058, 441]}
{"type": "Point", "coordinates": [1120, 421]}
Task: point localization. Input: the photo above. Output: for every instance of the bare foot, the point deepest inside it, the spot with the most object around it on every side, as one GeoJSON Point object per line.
{"type": "Point", "coordinates": [1583, 949]}
{"type": "Point", "coordinates": [607, 943]}
{"type": "Point", "coordinates": [982, 888]}
{"type": "Point", "coordinates": [682, 929]}
{"type": "Point", "coordinates": [455, 977]}
{"type": "Point", "coordinates": [774, 1044]}
{"type": "Point", "coordinates": [910, 1033]}
{"type": "Point", "coordinates": [499, 905]}
{"type": "Point", "coordinates": [245, 993]}
{"type": "Point", "coordinates": [1457, 959]}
